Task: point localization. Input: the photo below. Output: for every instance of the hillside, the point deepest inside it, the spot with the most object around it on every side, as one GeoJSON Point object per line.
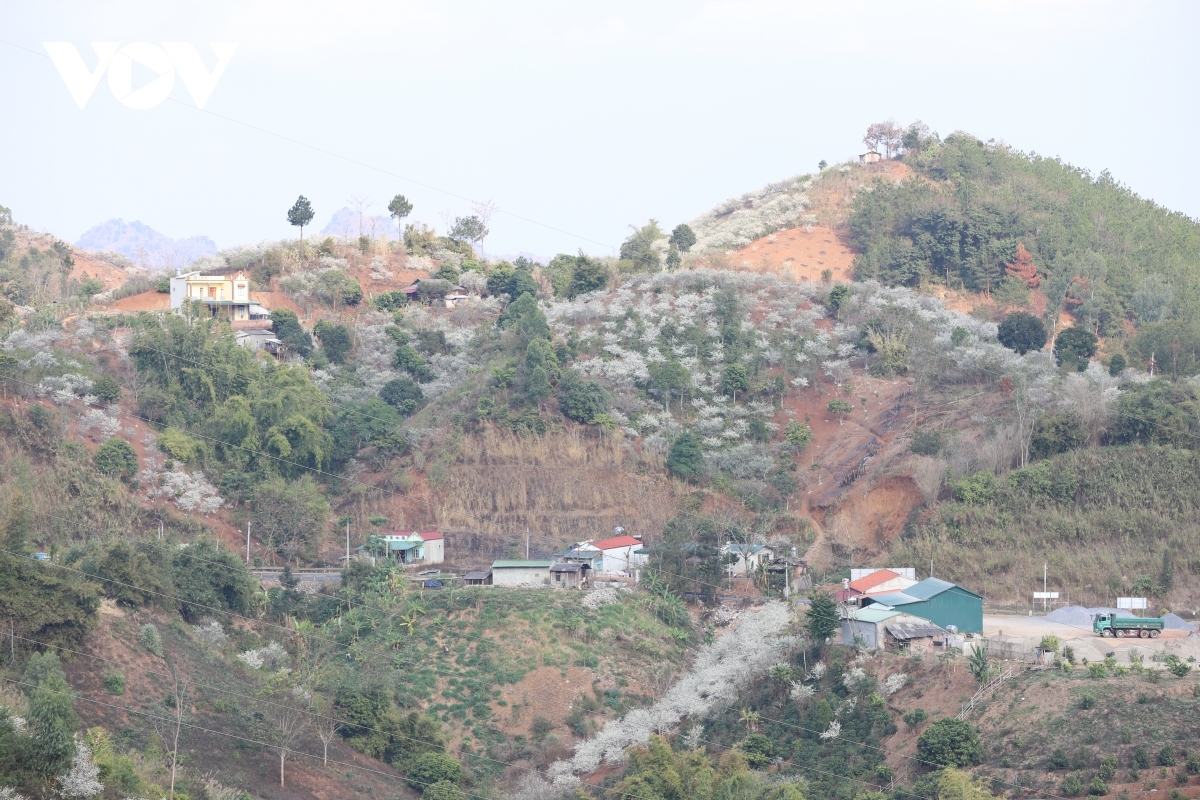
{"type": "Point", "coordinates": [828, 364]}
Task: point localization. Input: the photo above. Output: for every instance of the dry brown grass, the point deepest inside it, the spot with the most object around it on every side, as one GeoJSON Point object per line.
{"type": "Point", "coordinates": [565, 487]}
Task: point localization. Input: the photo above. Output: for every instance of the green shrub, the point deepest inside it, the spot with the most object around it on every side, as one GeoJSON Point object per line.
{"type": "Point", "coordinates": [1074, 347]}
{"type": "Point", "coordinates": [757, 749]}
{"type": "Point", "coordinates": [976, 489]}
{"type": "Point", "coordinates": [540, 728]}
{"type": "Point", "coordinates": [1097, 670]}
{"type": "Point", "coordinates": [949, 743]}
{"type": "Point", "coordinates": [117, 458]}
{"type": "Point", "coordinates": [579, 399]}
{"type": "Point", "coordinates": [1166, 756]}
{"type": "Point", "coordinates": [443, 790]}
{"type": "Point", "coordinates": [151, 639]}
{"type": "Point", "coordinates": [107, 389]}
{"type": "Point", "coordinates": [114, 682]}
{"type": "Point", "coordinates": [178, 445]}
{"type": "Point", "coordinates": [926, 443]}
{"type": "Point", "coordinates": [1087, 701]}
{"type": "Point", "coordinates": [1177, 666]}
{"type": "Point", "coordinates": [430, 768]}
{"type": "Point", "coordinates": [1058, 759]}
{"type": "Point", "coordinates": [1108, 768]}
{"type": "Point", "coordinates": [1072, 786]}
{"type": "Point", "coordinates": [1097, 787]}
{"type": "Point", "coordinates": [1141, 758]}
{"type": "Point", "coordinates": [1022, 332]}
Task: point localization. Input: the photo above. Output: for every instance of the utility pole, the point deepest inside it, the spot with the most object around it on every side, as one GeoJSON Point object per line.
{"type": "Point", "coordinates": [247, 542]}
{"type": "Point", "coordinates": [1045, 566]}
{"type": "Point", "coordinates": [347, 544]}
{"type": "Point", "coordinates": [527, 543]}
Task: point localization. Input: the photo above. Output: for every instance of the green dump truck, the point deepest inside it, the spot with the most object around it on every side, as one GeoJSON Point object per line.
{"type": "Point", "coordinates": [1112, 625]}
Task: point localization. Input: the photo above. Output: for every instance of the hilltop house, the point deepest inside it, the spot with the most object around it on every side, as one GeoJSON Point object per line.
{"type": "Point", "coordinates": [870, 158]}
{"type": "Point", "coordinates": [411, 547]}
{"type": "Point", "coordinates": [451, 299]}
{"type": "Point", "coordinates": [749, 557]}
{"type": "Point", "coordinates": [224, 296]}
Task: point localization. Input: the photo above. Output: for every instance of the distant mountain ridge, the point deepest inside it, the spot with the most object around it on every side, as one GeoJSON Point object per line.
{"type": "Point", "coordinates": [145, 246]}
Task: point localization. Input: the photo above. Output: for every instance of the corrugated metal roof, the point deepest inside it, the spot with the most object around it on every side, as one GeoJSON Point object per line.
{"type": "Point", "coordinates": [893, 598]}
{"type": "Point", "coordinates": [565, 567]}
{"type": "Point", "coordinates": [868, 582]}
{"type": "Point", "coordinates": [873, 614]}
{"type": "Point", "coordinates": [914, 630]}
{"type": "Point", "coordinates": [932, 587]}
{"type": "Point", "coordinates": [476, 575]}
{"type": "Point", "coordinates": [516, 563]}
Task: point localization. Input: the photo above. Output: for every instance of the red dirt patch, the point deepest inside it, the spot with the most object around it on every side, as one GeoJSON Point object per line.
{"type": "Point", "coordinates": [146, 301]}
{"type": "Point", "coordinates": [799, 252]}
{"type": "Point", "coordinates": [544, 692]}
{"type": "Point", "coordinates": [106, 273]}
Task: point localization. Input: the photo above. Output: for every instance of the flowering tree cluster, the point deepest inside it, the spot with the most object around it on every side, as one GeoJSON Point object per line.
{"type": "Point", "coordinates": [757, 641]}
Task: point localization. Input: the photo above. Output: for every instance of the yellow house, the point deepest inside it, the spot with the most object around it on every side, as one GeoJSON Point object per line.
{"type": "Point", "coordinates": [225, 296]}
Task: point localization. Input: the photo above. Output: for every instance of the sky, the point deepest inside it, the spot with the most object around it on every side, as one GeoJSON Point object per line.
{"type": "Point", "coordinates": [575, 120]}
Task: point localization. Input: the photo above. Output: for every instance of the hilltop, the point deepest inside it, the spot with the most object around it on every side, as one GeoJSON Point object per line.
{"type": "Point", "coordinates": [826, 364]}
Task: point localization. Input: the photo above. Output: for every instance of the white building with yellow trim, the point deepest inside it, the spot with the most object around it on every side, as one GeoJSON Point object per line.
{"type": "Point", "coordinates": [227, 297]}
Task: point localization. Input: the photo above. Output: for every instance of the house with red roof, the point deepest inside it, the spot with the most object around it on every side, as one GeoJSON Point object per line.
{"type": "Point", "coordinates": [619, 554]}
{"type": "Point", "coordinates": [412, 547]}
{"type": "Point", "coordinates": [878, 581]}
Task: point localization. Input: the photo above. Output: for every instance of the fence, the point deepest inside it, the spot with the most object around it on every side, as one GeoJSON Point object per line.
{"type": "Point", "coordinates": [987, 688]}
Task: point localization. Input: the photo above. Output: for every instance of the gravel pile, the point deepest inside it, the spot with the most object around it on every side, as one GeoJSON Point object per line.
{"type": "Point", "coordinates": [1174, 622]}
{"type": "Point", "coordinates": [1077, 616]}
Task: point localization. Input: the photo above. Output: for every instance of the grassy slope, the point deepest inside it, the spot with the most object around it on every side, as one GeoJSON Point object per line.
{"type": "Point", "coordinates": [1102, 518]}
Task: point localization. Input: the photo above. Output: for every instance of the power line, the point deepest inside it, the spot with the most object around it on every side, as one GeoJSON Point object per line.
{"type": "Point", "coordinates": [347, 159]}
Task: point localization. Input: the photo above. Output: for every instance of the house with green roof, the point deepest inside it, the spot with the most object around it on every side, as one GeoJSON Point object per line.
{"type": "Point", "coordinates": [943, 603]}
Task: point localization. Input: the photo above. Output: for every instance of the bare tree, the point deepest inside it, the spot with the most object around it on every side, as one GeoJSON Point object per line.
{"type": "Point", "coordinates": [290, 724]}
{"type": "Point", "coordinates": [360, 203]}
{"type": "Point", "coordinates": [485, 210]}
{"type": "Point", "coordinates": [180, 690]}
{"type": "Point", "coordinates": [327, 727]}
{"type": "Point", "coordinates": [1026, 420]}
{"type": "Point", "coordinates": [929, 473]}
{"type": "Point", "coordinates": [168, 728]}
{"type": "Point", "coordinates": [887, 135]}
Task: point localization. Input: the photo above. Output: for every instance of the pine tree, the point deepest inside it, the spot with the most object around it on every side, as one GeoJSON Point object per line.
{"type": "Point", "coordinates": [300, 215]}
{"type": "Point", "coordinates": [1022, 268]}
{"type": "Point", "coordinates": [822, 617]}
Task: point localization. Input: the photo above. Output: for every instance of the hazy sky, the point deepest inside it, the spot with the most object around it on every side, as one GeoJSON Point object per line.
{"type": "Point", "coordinates": [584, 117]}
